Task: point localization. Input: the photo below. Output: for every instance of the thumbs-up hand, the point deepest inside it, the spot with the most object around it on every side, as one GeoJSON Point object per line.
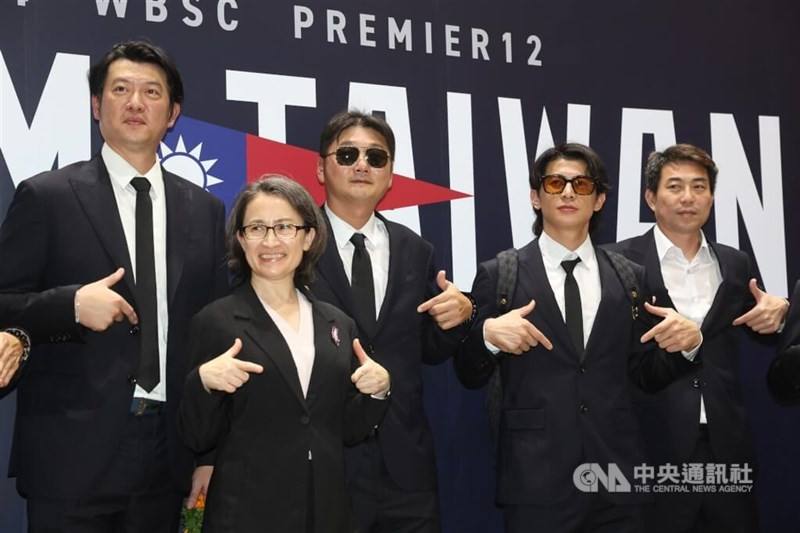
{"type": "Point", "coordinates": [767, 315]}
{"type": "Point", "coordinates": [674, 333]}
{"type": "Point", "coordinates": [370, 377]}
{"type": "Point", "coordinates": [97, 306]}
{"type": "Point", "coordinates": [513, 333]}
{"type": "Point", "coordinates": [450, 307]}
{"type": "Point", "coordinates": [227, 373]}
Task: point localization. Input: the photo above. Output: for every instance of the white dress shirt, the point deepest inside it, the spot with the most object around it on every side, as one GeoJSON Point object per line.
{"type": "Point", "coordinates": [377, 244]}
{"type": "Point", "coordinates": [121, 173]}
{"type": "Point", "coordinates": [692, 285]}
{"type": "Point", "coordinates": [587, 275]}
{"type": "Point", "coordinates": [300, 340]}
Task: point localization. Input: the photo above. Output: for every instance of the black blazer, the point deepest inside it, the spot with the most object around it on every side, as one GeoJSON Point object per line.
{"type": "Point", "coordinates": [670, 420]}
{"type": "Point", "coordinates": [62, 231]}
{"type": "Point", "coordinates": [560, 410]}
{"type": "Point", "coordinates": [783, 377]}
{"type": "Point", "coordinates": [402, 341]}
{"type": "Point", "coordinates": [263, 432]}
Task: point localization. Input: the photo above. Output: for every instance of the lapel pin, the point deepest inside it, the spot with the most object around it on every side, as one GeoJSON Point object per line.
{"type": "Point", "coordinates": [335, 335]}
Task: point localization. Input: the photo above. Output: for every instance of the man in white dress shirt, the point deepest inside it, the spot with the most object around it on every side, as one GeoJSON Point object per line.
{"type": "Point", "coordinates": [104, 263]}
{"type": "Point", "coordinates": [565, 353]}
{"type": "Point", "coordinates": [700, 418]}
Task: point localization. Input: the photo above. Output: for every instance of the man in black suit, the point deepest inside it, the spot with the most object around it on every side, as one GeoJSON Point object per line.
{"type": "Point", "coordinates": [565, 352]}
{"type": "Point", "coordinates": [381, 274]}
{"type": "Point", "coordinates": [95, 445]}
{"type": "Point", "coordinates": [701, 417]}
{"type": "Point", "coordinates": [783, 377]}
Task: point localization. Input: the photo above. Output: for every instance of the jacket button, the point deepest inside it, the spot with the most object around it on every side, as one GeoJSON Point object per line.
{"type": "Point", "coordinates": [696, 383]}
{"type": "Point", "coordinates": [134, 330]}
{"type": "Point", "coordinates": [583, 408]}
{"type": "Point", "coordinates": [132, 380]}
{"type": "Point", "coordinates": [305, 420]}
{"type": "Point", "coordinates": [582, 369]}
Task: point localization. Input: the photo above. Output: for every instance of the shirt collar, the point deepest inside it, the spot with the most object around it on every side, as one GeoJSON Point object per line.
{"type": "Point", "coordinates": [121, 172]}
{"type": "Point", "coordinates": [342, 231]}
{"type": "Point", "coordinates": [665, 246]}
{"type": "Point", "coordinates": [553, 252]}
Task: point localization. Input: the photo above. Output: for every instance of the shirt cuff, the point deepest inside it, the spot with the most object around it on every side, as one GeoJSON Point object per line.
{"type": "Point", "coordinates": [691, 354]}
{"type": "Point", "coordinates": [489, 346]}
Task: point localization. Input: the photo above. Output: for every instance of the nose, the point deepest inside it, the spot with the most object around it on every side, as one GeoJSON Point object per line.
{"type": "Point", "coordinates": [270, 238]}
{"type": "Point", "coordinates": [135, 101]}
{"type": "Point", "coordinates": [361, 164]}
{"type": "Point", "coordinates": [568, 191]}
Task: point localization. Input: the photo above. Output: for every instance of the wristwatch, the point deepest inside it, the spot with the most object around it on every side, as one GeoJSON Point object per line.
{"type": "Point", "coordinates": [24, 338]}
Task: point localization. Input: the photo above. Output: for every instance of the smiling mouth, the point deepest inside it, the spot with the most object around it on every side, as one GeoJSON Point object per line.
{"type": "Point", "coordinates": [271, 258]}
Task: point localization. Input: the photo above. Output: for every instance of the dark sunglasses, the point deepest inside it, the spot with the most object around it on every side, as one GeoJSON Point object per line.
{"type": "Point", "coordinates": [556, 183]}
{"type": "Point", "coordinates": [348, 155]}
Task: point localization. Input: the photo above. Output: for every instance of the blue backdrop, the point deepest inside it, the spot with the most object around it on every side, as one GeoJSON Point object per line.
{"type": "Point", "coordinates": [473, 89]}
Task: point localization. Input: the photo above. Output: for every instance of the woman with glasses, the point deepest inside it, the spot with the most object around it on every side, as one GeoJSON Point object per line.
{"type": "Point", "coordinates": [281, 384]}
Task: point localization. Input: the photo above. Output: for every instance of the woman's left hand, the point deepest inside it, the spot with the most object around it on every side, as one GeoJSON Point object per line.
{"type": "Point", "coordinates": [370, 378]}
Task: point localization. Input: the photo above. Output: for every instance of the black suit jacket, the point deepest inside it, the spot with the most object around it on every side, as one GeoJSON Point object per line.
{"type": "Point", "coordinates": [62, 231]}
{"type": "Point", "coordinates": [263, 432]}
{"type": "Point", "coordinates": [560, 410]}
{"type": "Point", "coordinates": [403, 340]}
{"type": "Point", "coordinates": [783, 377]}
{"type": "Point", "coordinates": [670, 419]}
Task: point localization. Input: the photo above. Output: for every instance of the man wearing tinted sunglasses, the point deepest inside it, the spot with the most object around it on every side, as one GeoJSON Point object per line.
{"type": "Point", "coordinates": [382, 274]}
{"type": "Point", "coordinates": [564, 353]}
{"type": "Point", "coordinates": [699, 419]}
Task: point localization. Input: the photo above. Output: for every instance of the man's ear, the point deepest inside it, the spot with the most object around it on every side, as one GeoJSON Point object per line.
{"type": "Point", "coordinates": [174, 114]}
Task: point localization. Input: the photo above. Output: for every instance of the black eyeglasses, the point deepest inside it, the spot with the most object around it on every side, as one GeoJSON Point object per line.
{"type": "Point", "coordinates": [348, 155]}
{"type": "Point", "coordinates": [556, 183]}
{"type": "Point", "coordinates": [283, 231]}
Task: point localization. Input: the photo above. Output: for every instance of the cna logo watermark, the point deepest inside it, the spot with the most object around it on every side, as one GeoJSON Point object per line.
{"type": "Point", "coordinates": [683, 478]}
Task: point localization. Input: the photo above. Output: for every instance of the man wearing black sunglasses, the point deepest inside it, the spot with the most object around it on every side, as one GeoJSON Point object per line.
{"type": "Point", "coordinates": [382, 274]}
{"type": "Point", "coordinates": [699, 419]}
{"type": "Point", "coordinates": [564, 353]}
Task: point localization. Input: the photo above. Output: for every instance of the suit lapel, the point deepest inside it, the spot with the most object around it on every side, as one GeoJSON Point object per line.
{"type": "Point", "coordinates": [325, 331]}
{"type": "Point", "coordinates": [609, 299]}
{"type": "Point", "coordinates": [94, 193]}
{"type": "Point", "coordinates": [330, 268]}
{"type": "Point", "coordinates": [178, 197]}
{"type": "Point", "coordinates": [266, 335]}
{"type": "Point", "coordinates": [727, 301]}
{"type": "Point", "coordinates": [395, 257]}
{"type": "Point", "coordinates": [533, 276]}
{"type": "Point", "coordinates": [652, 264]}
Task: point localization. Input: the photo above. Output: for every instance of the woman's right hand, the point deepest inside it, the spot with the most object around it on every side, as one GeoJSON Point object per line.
{"type": "Point", "coordinates": [225, 372]}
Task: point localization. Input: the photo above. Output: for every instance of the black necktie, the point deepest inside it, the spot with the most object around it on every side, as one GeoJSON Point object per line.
{"type": "Point", "coordinates": [148, 375]}
{"type": "Point", "coordinates": [572, 305]}
{"type": "Point", "coordinates": [362, 283]}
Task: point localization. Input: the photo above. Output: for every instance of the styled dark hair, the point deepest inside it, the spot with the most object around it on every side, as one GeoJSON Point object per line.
{"type": "Point", "coordinates": [138, 52]}
{"type": "Point", "coordinates": [570, 152]}
{"type": "Point", "coordinates": [678, 153]}
{"type": "Point", "coordinates": [301, 201]}
{"type": "Point", "coordinates": [347, 119]}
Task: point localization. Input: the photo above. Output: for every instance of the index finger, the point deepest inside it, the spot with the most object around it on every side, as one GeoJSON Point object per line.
{"type": "Point", "coordinates": [746, 317]}
{"type": "Point", "coordinates": [248, 366]}
{"type": "Point", "coordinates": [127, 310]}
{"type": "Point", "coordinates": [427, 304]}
{"type": "Point", "coordinates": [534, 332]}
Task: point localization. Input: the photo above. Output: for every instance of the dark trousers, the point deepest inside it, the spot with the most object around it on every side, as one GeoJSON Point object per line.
{"type": "Point", "coordinates": [135, 494]}
{"type": "Point", "coordinates": [703, 512]}
{"type": "Point", "coordinates": [586, 513]}
{"type": "Point", "coordinates": [381, 506]}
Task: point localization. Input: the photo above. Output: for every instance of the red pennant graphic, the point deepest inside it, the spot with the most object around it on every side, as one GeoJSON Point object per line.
{"type": "Point", "coordinates": [271, 157]}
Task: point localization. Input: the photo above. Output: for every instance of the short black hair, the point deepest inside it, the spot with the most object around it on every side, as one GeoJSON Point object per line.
{"type": "Point", "coordinates": [138, 52]}
{"type": "Point", "coordinates": [570, 152]}
{"type": "Point", "coordinates": [347, 119]}
{"type": "Point", "coordinates": [301, 201]}
{"type": "Point", "coordinates": [678, 153]}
